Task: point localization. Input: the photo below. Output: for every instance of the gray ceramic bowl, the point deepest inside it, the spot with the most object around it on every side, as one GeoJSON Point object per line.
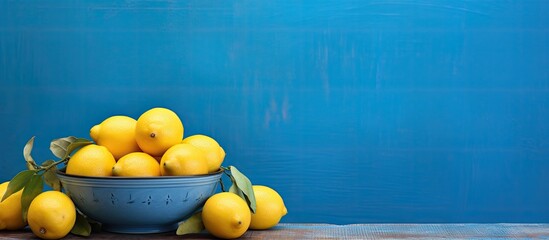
{"type": "Point", "coordinates": [139, 205]}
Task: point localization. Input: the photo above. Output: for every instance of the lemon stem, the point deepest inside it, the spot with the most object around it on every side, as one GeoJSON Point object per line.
{"type": "Point", "coordinates": [46, 168]}
{"type": "Point", "coordinates": [222, 185]}
{"type": "Point", "coordinates": [224, 168]}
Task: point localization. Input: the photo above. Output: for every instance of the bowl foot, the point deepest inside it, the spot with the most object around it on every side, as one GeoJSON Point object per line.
{"type": "Point", "coordinates": [132, 229]}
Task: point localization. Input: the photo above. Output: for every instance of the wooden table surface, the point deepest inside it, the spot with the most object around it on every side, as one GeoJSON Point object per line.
{"type": "Point", "coordinates": [353, 231]}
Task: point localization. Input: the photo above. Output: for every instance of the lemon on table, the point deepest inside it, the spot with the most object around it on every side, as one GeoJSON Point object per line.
{"type": "Point", "coordinates": [214, 153]}
{"type": "Point", "coordinates": [226, 215]}
{"type": "Point", "coordinates": [11, 217]}
{"type": "Point", "coordinates": [157, 130]}
{"type": "Point", "coordinates": [116, 133]}
{"type": "Point", "coordinates": [136, 164]}
{"type": "Point", "coordinates": [91, 160]}
{"type": "Point", "coordinates": [51, 215]}
{"type": "Point", "coordinates": [270, 208]}
{"type": "Point", "coordinates": [183, 159]}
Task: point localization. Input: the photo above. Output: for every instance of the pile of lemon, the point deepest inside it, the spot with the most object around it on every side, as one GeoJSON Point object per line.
{"type": "Point", "coordinates": [153, 145]}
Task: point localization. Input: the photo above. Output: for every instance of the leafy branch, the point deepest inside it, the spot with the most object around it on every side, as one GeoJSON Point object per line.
{"type": "Point", "coordinates": [32, 181]}
{"type": "Point", "coordinates": [241, 186]}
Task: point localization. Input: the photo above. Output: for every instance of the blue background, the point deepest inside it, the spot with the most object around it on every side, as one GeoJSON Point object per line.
{"type": "Point", "coordinates": [355, 111]}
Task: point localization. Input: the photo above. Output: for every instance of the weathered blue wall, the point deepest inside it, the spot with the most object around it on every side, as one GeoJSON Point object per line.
{"type": "Point", "coordinates": [355, 111]}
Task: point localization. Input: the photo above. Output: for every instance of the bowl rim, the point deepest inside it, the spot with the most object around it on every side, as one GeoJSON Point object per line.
{"type": "Point", "coordinates": [64, 174]}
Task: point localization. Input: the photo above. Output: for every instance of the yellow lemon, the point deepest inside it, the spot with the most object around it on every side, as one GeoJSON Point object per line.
{"type": "Point", "coordinates": [183, 159]}
{"type": "Point", "coordinates": [137, 164]}
{"type": "Point", "coordinates": [51, 215]}
{"type": "Point", "coordinates": [116, 133]}
{"type": "Point", "coordinates": [214, 153]}
{"type": "Point", "coordinates": [222, 152]}
{"type": "Point", "coordinates": [226, 215]}
{"type": "Point", "coordinates": [269, 208]}
{"type": "Point", "coordinates": [11, 217]}
{"type": "Point", "coordinates": [91, 160]}
{"type": "Point", "coordinates": [157, 130]}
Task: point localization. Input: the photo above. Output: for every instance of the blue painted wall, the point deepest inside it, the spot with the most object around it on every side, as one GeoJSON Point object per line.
{"type": "Point", "coordinates": [355, 111]}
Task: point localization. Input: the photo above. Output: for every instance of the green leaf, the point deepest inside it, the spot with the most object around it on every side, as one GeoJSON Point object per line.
{"type": "Point", "coordinates": [17, 183]}
{"type": "Point", "coordinates": [234, 189]}
{"type": "Point", "coordinates": [50, 177]}
{"type": "Point", "coordinates": [191, 225]}
{"type": "Point", "coordinates": [95, 226]}
{"type": "Point", "coordinates": [81, 227]}
{"type": "Point", "coordinates": [31, 165]}
{"type": "Point", "coordinates": [63, 147]}
{"type": "Point", "coordinates": [244, 185]}
{"type": "Point", "coordinates": [59, 146]}
{"type": "Point", "coordinates": [32, 189]}
{"type": "Point", "coordinates": [78, 143]}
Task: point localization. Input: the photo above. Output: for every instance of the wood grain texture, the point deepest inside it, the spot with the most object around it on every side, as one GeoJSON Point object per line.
{"type": "Point", "coordinates": [354, 231]}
